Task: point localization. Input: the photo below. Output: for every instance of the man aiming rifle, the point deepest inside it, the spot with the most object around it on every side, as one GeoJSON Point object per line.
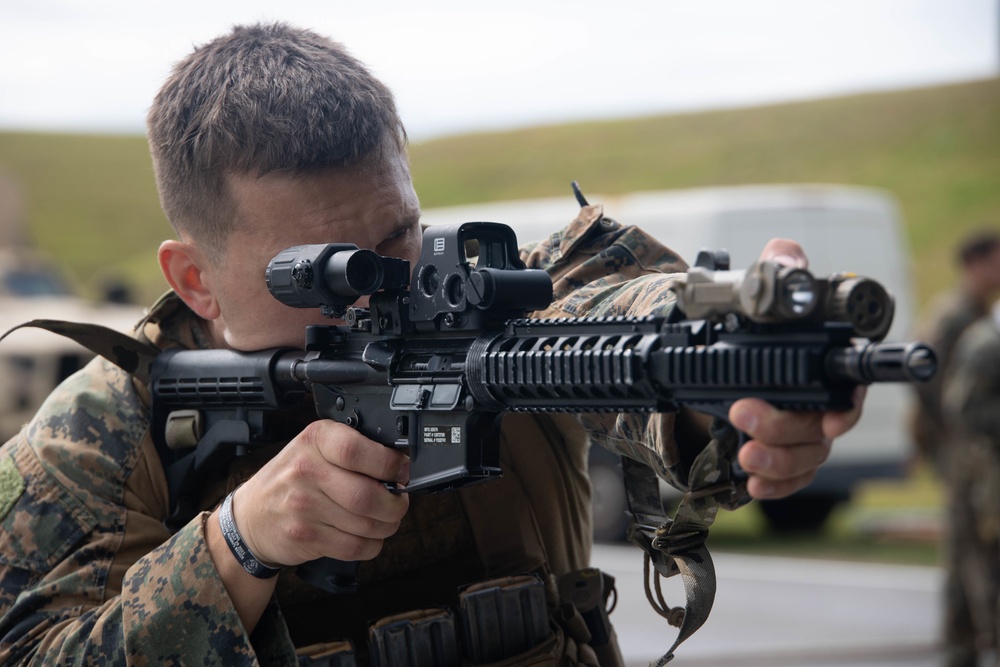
{"type": "Point", "coordinates": [266, 138]}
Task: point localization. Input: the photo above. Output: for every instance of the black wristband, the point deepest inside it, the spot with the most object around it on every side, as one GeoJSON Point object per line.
{"type": "Point", "coordinates": [241, 552]}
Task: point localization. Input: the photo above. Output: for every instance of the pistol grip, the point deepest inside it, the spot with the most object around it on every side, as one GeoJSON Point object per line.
{"type": "Point", "coordinates": [330, 575]}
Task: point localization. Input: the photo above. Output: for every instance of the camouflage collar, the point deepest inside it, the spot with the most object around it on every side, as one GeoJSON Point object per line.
{"type": "Point", "coordinates": [170, 323]}
{"type": "Point", "coordinates": [565, 241]}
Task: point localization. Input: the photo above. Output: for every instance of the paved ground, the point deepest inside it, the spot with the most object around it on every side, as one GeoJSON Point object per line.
{"type": "Point", "coordinates": [783, 612]}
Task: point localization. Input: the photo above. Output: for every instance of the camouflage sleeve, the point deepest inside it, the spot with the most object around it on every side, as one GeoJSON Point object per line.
{"type": "Point", "coordinates": [972, 384]}
{"type": "Point", "coordinates": [600, 268]}
{"type": "Point", "coordinates": [948, 316]}
{"type": "Point", "coordinates": [88, 575]}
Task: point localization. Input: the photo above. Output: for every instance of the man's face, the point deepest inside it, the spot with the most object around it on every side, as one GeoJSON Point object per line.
{"type": "Point", "coordinates": [371, 207]}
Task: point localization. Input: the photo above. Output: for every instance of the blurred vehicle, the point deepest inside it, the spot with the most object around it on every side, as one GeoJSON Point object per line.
{"type": "Point", "coordinates": [842, 228]}
{"type": "Point", "coordinates": [32, 361]}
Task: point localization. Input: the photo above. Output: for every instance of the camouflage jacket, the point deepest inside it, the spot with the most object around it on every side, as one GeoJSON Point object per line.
{"type": "Point", "coordinates": [89, 574]}
{"type": "Point", "coordinates": [972, 383]}
{"type": "Point", "coordinates": [970, 399]}
{"type": "Point", "coordinates": [951, 313]}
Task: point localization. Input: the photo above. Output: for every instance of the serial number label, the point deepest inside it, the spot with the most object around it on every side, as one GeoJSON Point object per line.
{"type": "Point", "coordinates": [442, 435]}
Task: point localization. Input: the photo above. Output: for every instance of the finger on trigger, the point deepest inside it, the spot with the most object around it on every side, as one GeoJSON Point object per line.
{"type": "Point", "coordinates": [346, 448]}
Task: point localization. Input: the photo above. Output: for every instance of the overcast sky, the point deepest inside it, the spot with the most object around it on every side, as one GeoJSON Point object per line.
{"type": "Point", "coordinates": [460, 66]}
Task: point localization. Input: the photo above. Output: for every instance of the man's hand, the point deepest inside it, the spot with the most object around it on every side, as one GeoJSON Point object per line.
{"type": "Point", "coordinates": [786, 448]}
{"type": "Point", "coordinates": [323, 495]}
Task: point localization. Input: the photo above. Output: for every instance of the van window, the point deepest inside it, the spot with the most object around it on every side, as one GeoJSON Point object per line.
{"type": "Point", "coordinates": [30, 283]}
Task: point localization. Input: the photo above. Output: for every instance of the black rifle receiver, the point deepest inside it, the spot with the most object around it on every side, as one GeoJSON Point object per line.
{"type": "Point", "coordinates": [431, 368]}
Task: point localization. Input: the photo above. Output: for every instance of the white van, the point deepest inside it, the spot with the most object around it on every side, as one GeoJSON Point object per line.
{"type": "Point", "coordinates": [842, 228]}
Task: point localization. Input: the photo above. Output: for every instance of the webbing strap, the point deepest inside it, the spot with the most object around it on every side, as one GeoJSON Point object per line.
{"type": "Point", "coordinates": [677, 545]}
{"type": "Point", "coordinates": [131, 355]}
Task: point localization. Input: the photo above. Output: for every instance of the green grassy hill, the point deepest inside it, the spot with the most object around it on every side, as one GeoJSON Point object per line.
{"type": "Point", "coordinates": [91, 205]}
{"type": "Point", "coordinates": [92, 202]}
{"type": "Point", "coordinates": [936, 149]}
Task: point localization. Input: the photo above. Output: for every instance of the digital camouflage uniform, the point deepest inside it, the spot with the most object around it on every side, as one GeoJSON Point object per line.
{"type": "Point", "coordinates": [89, 574]}
{"type": "Point", "coordinates": [971, 401]}
{"type": "Point", "coordinates": [952, 314]}
{"type": "Point", "coordinates": [939, 445]}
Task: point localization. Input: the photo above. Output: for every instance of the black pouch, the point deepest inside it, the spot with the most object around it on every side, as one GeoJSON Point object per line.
{"type": "Point", "coordinates": [330, 654]}
{"type": "Point", "coordinates": [587, 591]}
{"type": "Point", "coordinates": [502, 618]}
{"type": "Point", "coordinates": [421, 638]}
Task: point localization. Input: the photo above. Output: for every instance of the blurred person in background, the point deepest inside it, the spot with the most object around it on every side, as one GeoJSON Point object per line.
{"type": "Point", "coordinates": [948, 316]}
{"type": "Point", "coordinates": [971, 405]}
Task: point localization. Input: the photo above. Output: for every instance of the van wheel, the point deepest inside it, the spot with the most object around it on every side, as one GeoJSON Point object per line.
{"type": "Point", "coordinates": [803, 513]}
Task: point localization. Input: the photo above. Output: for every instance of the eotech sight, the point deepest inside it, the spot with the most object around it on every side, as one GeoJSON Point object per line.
{"type": "Point", "coordinates": [431, 368]}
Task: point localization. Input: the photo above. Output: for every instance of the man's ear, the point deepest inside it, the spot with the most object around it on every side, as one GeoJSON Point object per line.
{"type": "Point", "coordinates": [186, 269]}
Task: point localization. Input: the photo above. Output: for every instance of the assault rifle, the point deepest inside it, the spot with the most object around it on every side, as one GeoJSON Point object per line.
{"type": "Point", "coordinates": [430, 368]}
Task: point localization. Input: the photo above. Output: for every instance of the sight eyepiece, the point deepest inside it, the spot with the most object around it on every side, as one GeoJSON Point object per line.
{"type": "Point", "coordinates": [331, 275]}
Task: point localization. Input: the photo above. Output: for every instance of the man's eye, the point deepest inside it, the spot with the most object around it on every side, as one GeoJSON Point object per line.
{"type": "Point", "coordinates": [394, 241]}
{"type": "Point", "coordinates": [386, 245]}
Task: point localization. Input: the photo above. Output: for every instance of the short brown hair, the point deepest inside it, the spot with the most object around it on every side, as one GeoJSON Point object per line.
{"type": "Point", "coordinates": [978, 246]}
{"type": "Point", "coordinates": [262, 98]}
